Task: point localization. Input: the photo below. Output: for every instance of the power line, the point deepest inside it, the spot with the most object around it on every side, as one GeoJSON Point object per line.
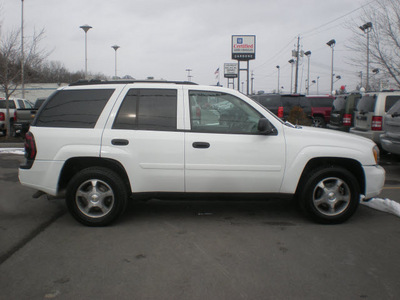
{"type": "Point", "coordinates": [334, 20]}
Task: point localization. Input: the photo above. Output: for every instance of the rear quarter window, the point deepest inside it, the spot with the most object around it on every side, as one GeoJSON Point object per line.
{"type": "Point", "coordinates": [11, 104]}
{"type": "Point", "coordinates": [73, 108]}
{"type": "Point", "coordinates": [390, 101]}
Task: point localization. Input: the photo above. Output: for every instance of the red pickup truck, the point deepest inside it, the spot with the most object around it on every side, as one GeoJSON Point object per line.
{"type": "Point", "coordinates": [321, 107]}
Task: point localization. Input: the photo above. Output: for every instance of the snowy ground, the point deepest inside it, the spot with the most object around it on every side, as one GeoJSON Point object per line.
{"type": "Point", "coordinates": [385, 205]}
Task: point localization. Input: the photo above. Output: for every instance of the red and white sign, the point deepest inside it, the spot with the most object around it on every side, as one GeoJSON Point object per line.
{"type": "Point", "coordinates": [243, 47]}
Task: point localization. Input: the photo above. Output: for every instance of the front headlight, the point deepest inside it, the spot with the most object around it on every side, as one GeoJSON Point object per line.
{"type": "Point", "coordinates": [375, 151]}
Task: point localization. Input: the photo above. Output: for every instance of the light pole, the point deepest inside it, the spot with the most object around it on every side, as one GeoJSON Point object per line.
{"type": "Point", "coordinates": [291, 75]}
{"type": "Point", "coordinates": [22, 51]}
{"type": "Point", "coordinates": [317, 85]}
{"type": "Point", "coordinates": [331, 44]}
{"type": "Point", "coordinates": [115, 47]}
{"type": "Point", "coordinates": [279, 71]}
{"type": "Point", "coordinates": [367, 27]}
{"type": "Point", "coordinates": [85, 28]}
{"type": "Point", "coordinates": [308, 54]}
{"type": "Point", "coordinates": [188, 75]}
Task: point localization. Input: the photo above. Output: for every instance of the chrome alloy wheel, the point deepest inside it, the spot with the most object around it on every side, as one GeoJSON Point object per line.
{"type": "Point", "coordinates": [95, 198]}
{"type": "Point", "coordinates": [331, 196]}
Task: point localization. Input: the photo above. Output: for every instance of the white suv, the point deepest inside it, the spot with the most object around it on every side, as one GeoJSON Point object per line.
{"type": "Point", "coordinates": [102, 142]}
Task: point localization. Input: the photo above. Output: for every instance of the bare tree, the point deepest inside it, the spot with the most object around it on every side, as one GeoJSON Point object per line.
{"type": "Point", "coordinates": [384, 41]}
{"type": "Point", "coordinates": [10, 63]}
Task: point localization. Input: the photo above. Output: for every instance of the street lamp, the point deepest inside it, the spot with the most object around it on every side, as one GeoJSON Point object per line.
{"type": "Point", "coordinates": [279, 71]}
{"type": "Point", "coordinates": [115, 47]}
{"type": "Point", "coordinates": [331, 44]}
{"type": "Point", "coordinates": [22, 51]}
{"type": "Point", "coordinates": [85, 28]}
{"type": "Point", "coordinates": [366, 28]}
{"type": "Point", "coordinates": [188, 75]}
{"type": "Point", "coordinates": [291, 61]}
{"type": "Point", "coordinates": [308, 54]}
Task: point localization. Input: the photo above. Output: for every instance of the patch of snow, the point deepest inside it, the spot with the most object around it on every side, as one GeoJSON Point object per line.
{"type": "Point", "coordinates": [385, 205]}
{"type": "Point", "coordinates": [18, 151]}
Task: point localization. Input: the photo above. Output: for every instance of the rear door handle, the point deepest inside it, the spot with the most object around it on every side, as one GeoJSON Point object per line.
{"type": "Point", "coordinates": [119, 142]}
{"type": "Point", "coordinates": [201, 145]}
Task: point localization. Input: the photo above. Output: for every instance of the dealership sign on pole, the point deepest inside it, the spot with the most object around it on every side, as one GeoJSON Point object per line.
{"type": "Point", "coordinates": [243, 47]}
{"type": "Point", "coordinates": [230, 70]}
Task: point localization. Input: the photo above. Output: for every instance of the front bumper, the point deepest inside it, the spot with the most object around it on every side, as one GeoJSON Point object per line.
{"type": "Point", "coordinates": [374, 180]}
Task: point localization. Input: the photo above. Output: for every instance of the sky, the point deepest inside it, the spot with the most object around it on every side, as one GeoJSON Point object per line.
{"type": "Point", "coordinates": [164, 38]}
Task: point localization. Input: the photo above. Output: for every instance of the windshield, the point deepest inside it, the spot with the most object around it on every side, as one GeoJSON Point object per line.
{"type": "Point", "coordinates": [367, 103]}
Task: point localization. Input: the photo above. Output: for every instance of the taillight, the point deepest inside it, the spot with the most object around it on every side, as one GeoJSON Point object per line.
{"type": "Point", "coordinates": [376, 123]}
{"type": "Point", "coordinates": [347, 119]}
{"type": "Point", "coordinates": [30, 146]}
{"type": "Point", "coordinates": [280, 112]}
{"type": "Point", "coordinates": [2, 117]}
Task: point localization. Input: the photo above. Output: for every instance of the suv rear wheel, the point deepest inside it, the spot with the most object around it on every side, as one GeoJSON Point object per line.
{"type": "Point", "coordinates": [96, 196]}
{"type": "Point", "coordinates": [331, 195]}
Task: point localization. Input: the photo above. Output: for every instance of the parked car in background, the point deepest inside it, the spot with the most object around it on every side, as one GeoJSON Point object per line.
{"type": "Point", "coordinates": [294, 108]}
{"type": "Point", "coordinates": [321, 107]}
{"type": "Point", "coordinates": [25, 116]}
{"type": "Point", "coordinates": [370, 112]}
{"type": "Point", "coordinates": [390, 140]}
{"type": "Point", "coordinates": [39, 102]}
{"type": "Point", "coordinates": [342, 114]}
{"type": "Point", "coordinates": [13, 105]}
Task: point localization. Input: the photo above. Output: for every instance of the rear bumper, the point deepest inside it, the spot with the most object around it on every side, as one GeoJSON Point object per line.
{"type": "Point", "coordinates": [372, 135]}
{"type": "Point", "coordinates": [338, 127]}
{"type": "Point", "coordinates": [374, 180]}
{"type": "Point", "coordinates": [42, 176]}
{"type": "Point", "coordinates": [390, 145]}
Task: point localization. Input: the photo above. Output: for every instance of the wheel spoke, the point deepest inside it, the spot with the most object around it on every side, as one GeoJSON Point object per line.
{"type": "Point", "coordinates": [95, 198]}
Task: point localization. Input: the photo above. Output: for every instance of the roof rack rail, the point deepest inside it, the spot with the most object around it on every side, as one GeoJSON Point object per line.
{"type": "Point", "coordinates": [97, 81]}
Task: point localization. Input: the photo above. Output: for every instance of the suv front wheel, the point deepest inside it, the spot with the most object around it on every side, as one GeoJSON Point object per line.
{"type": "Point", "coordinates": [96, 196]}
{"type": "Point", "coordinates": [330, 195]}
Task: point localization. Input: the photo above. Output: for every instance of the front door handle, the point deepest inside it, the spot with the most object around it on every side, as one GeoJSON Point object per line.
{"type": "Point", "coordinates": [119, 142]}
{"type": "Point", "coordinates": [201, 145]}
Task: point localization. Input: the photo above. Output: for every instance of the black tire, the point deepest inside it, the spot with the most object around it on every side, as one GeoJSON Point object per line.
{"type": "Point", "coordinates": [330, 195]}
{"type": "Point", "coordinates": [96, 196]}
{"type": "Point", "coordinates": [318, 122]}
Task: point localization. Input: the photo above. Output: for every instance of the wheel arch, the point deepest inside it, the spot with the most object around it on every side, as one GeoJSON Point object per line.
{"type": "Point", "coordinates": [76, 164]}
{"type": "Point", "coordinates": [350, 165]}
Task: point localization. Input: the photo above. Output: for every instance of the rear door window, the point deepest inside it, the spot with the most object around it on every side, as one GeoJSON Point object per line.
{"type": "Point", "coordinates": [73, 108]}
{"type": "Point", "coordinates": [367, 103]}
{"type": "Point", "coordinates": [339, 104]}
{"type": "Point", "coordinates": [148, 109]}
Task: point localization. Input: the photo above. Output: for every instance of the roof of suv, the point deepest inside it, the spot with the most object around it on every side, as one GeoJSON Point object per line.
{"type": "Point", "coordinates": [94, 82]}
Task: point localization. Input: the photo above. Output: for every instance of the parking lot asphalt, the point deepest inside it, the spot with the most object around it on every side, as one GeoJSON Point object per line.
{"type": "Point", "coordinates": [195, 250]}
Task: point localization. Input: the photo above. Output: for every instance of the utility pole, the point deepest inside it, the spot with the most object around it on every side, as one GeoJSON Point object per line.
{"type": "Point", "coordinates": [22, 51]}
{"type": "Point", "coordinates": [297, 65]}
{"type": "Point", "coordinates": [252, 83]}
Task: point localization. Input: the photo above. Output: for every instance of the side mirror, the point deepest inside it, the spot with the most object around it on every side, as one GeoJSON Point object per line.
{"type": "Point", "coordinates": [265, 127]}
